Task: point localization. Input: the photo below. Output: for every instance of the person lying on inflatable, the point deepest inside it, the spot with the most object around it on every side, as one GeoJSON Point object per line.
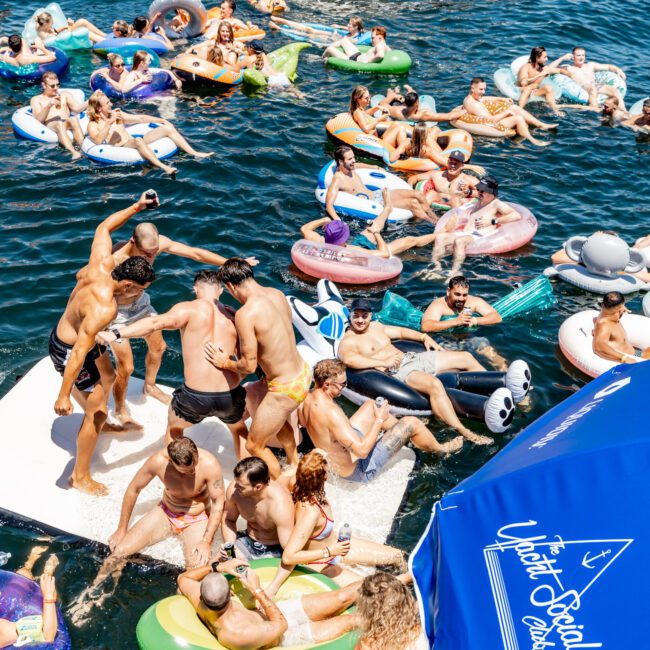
{"type": "Point", "coordinates": [450, 186]}
{"type": "Point", "coordinates": [483, 219]}
{"type": "Point", "coordinates": [19, 53]}
{"type": "Point", "coordinates": [406, 107]}
{"type": "Point", "coordinates": [257, 59]}
{"type": "Point", "coordinates": [584, 74]}
{"type": "Point", "coordinates": [120, 29]}
{"type": "Point", "coordinates": [642, 244]}
{"type": "Point", "coordinates": [610, 339]}
{"type": "Point", "coordinates": [58, 110]}
{"type": "Point", "coordinates": [354, 29]}
{"type": "Point", "coordinates": [370, 240]}
{"type": "Point", "coordinates": [355, 448]}
{"type": "Point", "coordinates": [140, 74]}
{"type": "Point", "coordinates": [367, 344]}
{"type": "Point", "coordinates": [350, 51]}
{"type": "Point", "coordinates": [45, 28]}
{"type": "Point", "coordinates": [499, 112]}
{"type": "Point", "coordinates": [533, 73]}
{"type": "Point", "coordinates": [227, 14]}
{"type": "Point", "coordinates": [142, 27]}
{"type": "Point", "coordinates": [345, 179]}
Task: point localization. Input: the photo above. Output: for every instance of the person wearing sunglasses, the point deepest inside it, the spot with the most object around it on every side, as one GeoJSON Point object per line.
{"type": "Point", "coordinates": [361, 446]}
{"type": "Point", "coordinates": [116, 72]}
{"type": "Point", "coordinates": [58, 110]}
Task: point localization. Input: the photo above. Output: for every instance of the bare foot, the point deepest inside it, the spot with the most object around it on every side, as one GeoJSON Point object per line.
{"type": "Point", "coordinates": [50, 565]}
{"type": "Point", "coordinates": [539, 143]}
{"type": "Point", "coordinates": [75, 155]}
{"type": "Point", "coordinates": [34, 555]}
{"type": "Point", "coordinates": [204, 154]}
{"type": "Point", "coordinates": [452, 446]}
{"type": "Point", "coordinates": [169, 170]}
{"type": "Point", "coordinates": [478, 440]}
{"type": "Point", "coordinates": [88, 486]}
{"type": "Point", "coordinates": [548, 127]}
{"type": "Point", "coordinates": [81, 609]}
{"type": "Point", "coordinates": [156, 393]}
{"type": "Point", "coordinates": [125, 422]}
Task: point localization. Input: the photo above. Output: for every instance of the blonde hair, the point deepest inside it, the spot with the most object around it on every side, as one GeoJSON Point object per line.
{"type": "Point", "coordinates": [94, 105]}
{"type": "Point", "coordinates": [389, 613]}
{"type": "Point", "coordinates": [113, 58]}
{"type": "Point", "coordinates": [215, 55]}
{"type": "Point", "coordinates": [357, 94]}
{"type": "Point", "coordinates": [44, 18]}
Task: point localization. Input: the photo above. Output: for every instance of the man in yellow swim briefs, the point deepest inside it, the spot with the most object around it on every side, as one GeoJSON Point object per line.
{"type": "Point", "coordinates": [266, 338]}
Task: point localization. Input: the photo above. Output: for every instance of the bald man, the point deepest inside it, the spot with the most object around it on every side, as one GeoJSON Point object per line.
{"type": "Point", "coordinates": [149, 243]}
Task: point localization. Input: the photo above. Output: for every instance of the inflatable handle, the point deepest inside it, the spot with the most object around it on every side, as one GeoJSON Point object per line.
{"type": "Point", "coordinates": [573, 247]}
{"type": "Point", "coordinates": [637, 261]}
{"type": "Point", "coordinates": [377, 174]}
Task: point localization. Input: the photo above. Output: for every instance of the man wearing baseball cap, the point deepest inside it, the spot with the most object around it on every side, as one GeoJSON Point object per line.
{"type": "Point", "coordinates": [367, 344]}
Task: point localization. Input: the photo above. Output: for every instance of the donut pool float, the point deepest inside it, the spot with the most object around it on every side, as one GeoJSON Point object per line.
{"type": "Point", "coordinates": [76, 39]}
{"type": "Point", "coordinates": [130, 45]}
{"type": "Point", "coordinates": [507, 237]}
{"type": "Point", "coordinates": [33, 72]}
{"type": "Point", "coordinates": [160, 82]}
{"type": "Point", "coordinates": [342, 264]}
{"type": "Point", "coordinates": [172, 623]}
{"type": "Point", "coordinates": [395, 62]}
{"type": "Point", "coordinates": [193, 10]}
{"type": "Point", "coordinates": [197, 71]}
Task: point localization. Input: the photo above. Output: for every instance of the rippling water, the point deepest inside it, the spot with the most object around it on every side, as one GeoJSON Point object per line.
{"type": "Point", "coordinates": [252, 197]}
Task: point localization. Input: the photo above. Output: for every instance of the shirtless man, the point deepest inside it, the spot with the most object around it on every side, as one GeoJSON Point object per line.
{"type": "Point", "coordinates": [350, 51]}
{"type": "Point", "coordinates": [512, 117]}
{"type": "Point", "coordinates": [532, 74]}
{"type": "Point", "coordinates": [450, 186]}
{"type": "Point", "coordinates": [227, 15]}
{"type": "Point", "coordinates": [345, 179]}
{"type": "Point", "coordinates": [367, 344]}
{"type": "Point", "coordinates": [302, 621]}
{"type": "Point", "coordinates": [370, 239]}
{"type": "Point", "coordinates": [267, 508]}
{"type": "Point", "coordinates": [147, 242]}
{"type": "Point", "coordinates": [59, 111]}
{"type": "Point", "coordinates": [191, 507]}
{"type": "Point", "coordinates": [610, 339]}
{"type": "Point", "coordinates": [456, 309]}
{"type": "Point", "coordinates": [583, 74]}
{"type": "Point", "coordinates": [355, 448]}
{"type": "Point", "coordinates": [108, 126]}
{"type": "Point", "coordinates": [20, 53]}
{"type": "Point", "coordinates": [265, 337]}
{"type": "Point", "coordinates": [85, 366]}
{"type": "Point", "coordinates": [206, 391]}
{"type": "Point", "coordinates": [641, 122]}
{"type": "Point", "coordinates": [483, 218]}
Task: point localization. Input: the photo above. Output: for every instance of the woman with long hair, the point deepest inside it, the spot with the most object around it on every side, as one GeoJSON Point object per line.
{"type": "Point", "coordinates": [116, 72]}
{"type": "Point", "coordinates": [314, 540]}
{"type": "Point", "coordinates": [225, 40]}
{"type": "Point", "coordinates": [140, 73]}
{"type": "Point", "coordinates": [394, 136]}
{"type": "Point", "coordinates": [389, 615]}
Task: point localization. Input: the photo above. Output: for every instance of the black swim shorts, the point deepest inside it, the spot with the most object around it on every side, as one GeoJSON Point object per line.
{"type": "Point", "coordinates": [60, 354]}
{"type": "Point", "coordinates": [355, 56]}
{"type": "Point", "coordinates": [195, 405]}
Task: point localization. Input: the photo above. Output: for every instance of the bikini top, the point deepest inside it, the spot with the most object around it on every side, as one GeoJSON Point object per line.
{"type": "Point", "coordinates": [327, 526]}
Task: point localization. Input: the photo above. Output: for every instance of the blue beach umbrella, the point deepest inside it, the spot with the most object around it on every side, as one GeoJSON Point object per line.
{"type": "Point", "coordinates": [547, 546]}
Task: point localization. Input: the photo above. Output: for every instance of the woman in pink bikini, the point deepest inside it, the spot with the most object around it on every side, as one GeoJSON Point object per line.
{"type": "Point", "coordinates": [314, 540]}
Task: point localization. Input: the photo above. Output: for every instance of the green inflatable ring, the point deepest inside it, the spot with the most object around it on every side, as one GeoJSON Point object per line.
{"type": "Point", "coordinates": [395, 62]}
{"type": "Point", "coordinates": [284, 59]}
{"type": "Point", "coordinates": [172, 624]}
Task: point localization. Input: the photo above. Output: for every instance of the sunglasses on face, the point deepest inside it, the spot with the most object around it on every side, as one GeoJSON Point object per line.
{"type": "Point", "coordinates": [53, 85]}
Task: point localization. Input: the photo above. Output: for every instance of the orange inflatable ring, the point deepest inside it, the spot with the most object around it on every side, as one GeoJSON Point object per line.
{"type": "Point", "coordinates": [240, 34]}
{"type": "Point", "coordinates": [193, 69]}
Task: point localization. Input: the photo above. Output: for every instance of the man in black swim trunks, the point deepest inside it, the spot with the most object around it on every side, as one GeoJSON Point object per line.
{"type": "Point", "coordinates": [346, 49]}
{"type": "Point", "coordinates": [207, 391]}
{"type": "Point", "coordinates": [85, 366]}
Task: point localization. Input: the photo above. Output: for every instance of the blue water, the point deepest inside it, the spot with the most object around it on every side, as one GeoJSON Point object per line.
{"type": "Point", "coordinates": [253, 196]}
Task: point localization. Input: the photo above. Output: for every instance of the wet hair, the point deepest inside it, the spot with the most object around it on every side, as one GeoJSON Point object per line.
{"type": "Point", "coordinates": [357, 93]}
{"type": "Point", "coordinates": [230, 32]}
{"type": "Point", "coordinates": [15, 43]}
{"type": "Point", "coordinates": [94, 107]}
{"type": "Point", "coordinates": [388, 612]}
{"type": "Point", "coordinates": [49, 76]}
{"type": "Point", "coordinates": [207, 276]}
{"type": "Point", "coordinates": [340, 152]}
{"type": "Point", "coordinates": [577, 48]}
{"type": "Point", "coordinates": [646, 103]}
{"type": "Point", "coordinates": [327, 369]}
{"type": "Point", "coordinates": [215, 591]}
{"type": "Point", "coordinates": [458, 281]}
{"type": "Point", "coordinates": [140, 23]}
{"type": "Point", "coordinates": [122, 27]}
{"type": "Point", "coordinates": [144, 232]}
{"type": "Point", "coordinates": [418, 144]}
{"type": "Point", "coordinates": [231, 3]}
{"type": "Point", "coordinates": [357, 23]}
{"type": "Point", "coordinates": [310, 478]}
{"type": "Point", "coordinates": [114, 58]}
{"type": "Point", "coordinates": [254, 469]}
{"type": "Point", "coordinates": [236, 271]}
{"type": "Point", "coordinates": [535, 53]}
{"type": "Point", "coordinates": [136, 269]}
{"type": "Point", "coordinates": [612, 299]}
{"type": "Point", "coordinates": [183, 452]}
{"type": "Point", "coordinates": [44, 18]}
{"type": "Point", "coordinates": [140, 57]}
{"type": "Point", "coordinates": [476, 80]}
{"type": "Point", "coordinates": [379, 30]}
{"type": "Point", "coordinates": [411, 99]}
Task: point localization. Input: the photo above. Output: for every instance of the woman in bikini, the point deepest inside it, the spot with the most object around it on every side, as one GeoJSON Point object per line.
{"type": "Point", "coordinates": [394, 136]}
{"type": "Point", "coordinates": [140, 73]}
{"type": "Point", "coordinates": [116, 72]}
{"type": "Point", "coordinates": [314, 538]}
{"type": "Point", "coordinates": [45, 28]}
{"type": "Point", "coordinates": [225, 41]}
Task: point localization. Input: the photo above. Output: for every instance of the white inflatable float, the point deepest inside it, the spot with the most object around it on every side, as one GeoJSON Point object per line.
{"type": "Point", "coordinates": [576, 337]}
{"type": "Point", "coordinates": [637, 107]}
{"type": "Point", "coordinates": [37, 489]}
{"type": "Point", "coordinates": [602, 263]}
{"type": "Point", "coordinates": [363, 206]}
{"type": "Point", "coordinates": [27, 126]}
{"type": "Point", "coordinates": [109, 155]}
{"type": "Point", "coordinates": [77, 39]}
{"type": "Point", "coordinates": [505, 79]}
{"type": "Point", "coordinates": [193, 12]}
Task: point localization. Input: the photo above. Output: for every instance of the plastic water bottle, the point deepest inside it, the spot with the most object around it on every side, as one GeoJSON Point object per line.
{"type": "Point", "coordinates": [4, 558]}
{"type": "Point", "coordinates": [379, 401]}
{"type": "Point", "coordinates": [345, 533]}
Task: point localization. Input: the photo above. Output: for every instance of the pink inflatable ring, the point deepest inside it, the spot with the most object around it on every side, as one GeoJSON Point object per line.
{"type": "Point", "coordinates": [343, 265]}
{"type": "Point", "coordinates": [505, 238]}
